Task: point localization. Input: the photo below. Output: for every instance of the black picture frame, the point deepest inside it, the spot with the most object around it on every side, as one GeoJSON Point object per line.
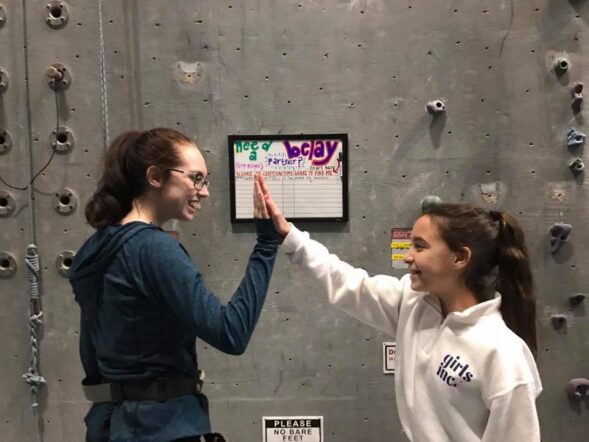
{"type": "Point", "coordinates": [232, 139]}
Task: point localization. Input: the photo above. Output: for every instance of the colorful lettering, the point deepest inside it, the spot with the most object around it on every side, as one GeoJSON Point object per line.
{"type": "Point", "coordinates": [319, 152]}
{"type": "Point", "coordinates": [244, 146]}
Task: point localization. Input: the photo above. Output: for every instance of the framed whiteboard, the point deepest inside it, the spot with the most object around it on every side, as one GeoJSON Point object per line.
{"type": "Point", "coordinates": [306, 174]}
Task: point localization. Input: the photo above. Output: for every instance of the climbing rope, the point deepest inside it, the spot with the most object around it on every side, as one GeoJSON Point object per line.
{"type": "Point", "coordinates": [103, 85]}
{"type": "Point", "coordinates": [33, 377]}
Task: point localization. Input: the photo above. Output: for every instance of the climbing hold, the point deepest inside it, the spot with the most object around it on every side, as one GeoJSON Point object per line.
{"type": "Point", "coordinates": [5, 141]}
{"type": "Point", "coordinates": [7, 265]}
{"type": "Point", "coordinates": [57, 14]}
{"type": "Point", "coordinates": [3, 80]}
{"type": "Point", "coordinates": [430, 201]}
{"type": "Point", "coordinates": [2, 16]}
{"type": "Point", "coordinates": [65, 201]}
{"type": "Point", "coordinates": [58, 77]}
{"type": "Point", "coordinates": [188, 74]}
{"type": "Point", "coordinates": [576, 299]}
{"type": "Point", "coordinates": [578, 388]}
{"type": "Point", "coordinates": [64, 261]}
{"type": "Point", "coordinates": [62, 139]}
{"type": "Point", "coordinates": [435, 107]}
{"type": "Point", "coordinates": [558, 321]}
{"type": "Point", "coordinates": [561, 65]}
{"type": "Point", "coordinates": [491, 192]}
{"type": "Point", "coordinates": [575, 138]}
{"type": "Point", "coordinates": [576, 165]}
{"type": "Point", "coordinates": [559, 233]}
{"type": "Point", "coordinates": [7, 203]}
{"type": "Point", "coordinates": [577, 93]}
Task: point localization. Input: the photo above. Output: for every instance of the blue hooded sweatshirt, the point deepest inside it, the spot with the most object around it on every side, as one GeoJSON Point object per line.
{"type": "Point", "coordinates": [143, 303]}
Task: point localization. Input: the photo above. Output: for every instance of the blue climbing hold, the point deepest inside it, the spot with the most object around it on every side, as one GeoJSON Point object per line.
{"type": "Point", "coordinates": [575, 138]}
{"type": "Point", "coordinates": [559, 232]}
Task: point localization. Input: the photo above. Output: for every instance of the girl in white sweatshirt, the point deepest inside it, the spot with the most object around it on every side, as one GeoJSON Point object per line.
{"type": "Point", "coordinates": [463, 319]}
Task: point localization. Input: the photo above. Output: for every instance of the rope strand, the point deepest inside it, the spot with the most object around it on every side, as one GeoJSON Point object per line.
{"type": "Point", "coordinates": [33, 377]}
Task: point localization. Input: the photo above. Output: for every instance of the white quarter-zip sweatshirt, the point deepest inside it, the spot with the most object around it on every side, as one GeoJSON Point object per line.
{"type": "Point", "coordinates": [466, 377]}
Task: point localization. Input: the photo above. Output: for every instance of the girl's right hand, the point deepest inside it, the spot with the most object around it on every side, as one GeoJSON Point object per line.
{"type": "Point", "coordinates": [281, 225]}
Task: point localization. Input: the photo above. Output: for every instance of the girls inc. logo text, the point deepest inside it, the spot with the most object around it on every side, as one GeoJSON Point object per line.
{"type": "Point", "coordinates": [453, 372]}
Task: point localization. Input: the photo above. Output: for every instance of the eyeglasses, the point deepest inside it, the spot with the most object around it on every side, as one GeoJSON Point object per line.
{"type": "Point", "coordinates": [198, 179]}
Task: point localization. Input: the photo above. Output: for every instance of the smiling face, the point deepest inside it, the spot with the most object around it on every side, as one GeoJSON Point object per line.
{"type": "Point", "coordinates": [179, 199]}
{"type": "Point", "coordinates": [434, 267]}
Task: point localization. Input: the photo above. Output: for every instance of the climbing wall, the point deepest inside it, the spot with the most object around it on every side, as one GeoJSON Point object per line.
{"type": "Point", "coordinates": [81, 72]}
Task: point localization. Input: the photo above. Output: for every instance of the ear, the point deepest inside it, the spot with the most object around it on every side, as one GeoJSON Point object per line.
{"type": "Point", "coordinates": [462, 258]}
{"type": "Point", "coordinates": [154, 176]}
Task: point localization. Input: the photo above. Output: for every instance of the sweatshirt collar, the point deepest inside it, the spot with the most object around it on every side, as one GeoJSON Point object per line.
{"type": "Point", "coordinates": [472, 314]}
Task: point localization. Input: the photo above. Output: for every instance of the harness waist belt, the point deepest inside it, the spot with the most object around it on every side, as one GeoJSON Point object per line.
{"type": "Point", "coordinates": [158, 389]}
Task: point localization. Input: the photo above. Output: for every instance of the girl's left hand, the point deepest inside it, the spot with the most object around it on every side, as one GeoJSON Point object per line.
{"type": "Point", "coordinates": [281, 225]}
{"type": "Point", "coordinates": [260, 209]}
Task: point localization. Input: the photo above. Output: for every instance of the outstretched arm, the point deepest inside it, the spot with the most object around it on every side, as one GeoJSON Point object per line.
{"type": "Point", "coordinates": [373, 300]}
{"type": "Point", "coordinates": [172, 280]}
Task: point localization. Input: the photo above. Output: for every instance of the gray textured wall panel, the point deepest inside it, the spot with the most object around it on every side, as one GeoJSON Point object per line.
{"type": "Point", "coordinates": [363, 67]}
{"type": "Point", "coordinates": [14, 393]}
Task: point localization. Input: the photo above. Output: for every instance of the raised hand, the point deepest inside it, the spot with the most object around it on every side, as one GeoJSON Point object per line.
{"type": "Point", "coordinates": [281, 225]}
{"type": "Point", "coordinates": [260, 209]}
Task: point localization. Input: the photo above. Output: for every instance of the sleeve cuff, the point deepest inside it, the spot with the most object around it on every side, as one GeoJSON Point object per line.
{"type": "Point", "coordinates": [267, 234]}
{"type": "Point", "coordinates": [292, 241]}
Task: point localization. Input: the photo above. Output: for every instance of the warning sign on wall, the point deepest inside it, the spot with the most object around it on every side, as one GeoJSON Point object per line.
{"type": "Point", "coordinates": [293, 429]}
{"type": "Point", "coordinates": [400, 244]}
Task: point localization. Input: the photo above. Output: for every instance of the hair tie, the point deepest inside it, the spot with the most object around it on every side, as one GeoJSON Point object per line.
{"type": "Point", "coordinates": [495, 215]}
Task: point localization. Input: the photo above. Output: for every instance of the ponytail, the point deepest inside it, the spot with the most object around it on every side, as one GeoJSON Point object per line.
{"type": "Point", "coordinates": [518, 303]}
{"type": "Point", "coordinates": [125, 166]}
{"type": "Point", "coordinates": [496, 242]}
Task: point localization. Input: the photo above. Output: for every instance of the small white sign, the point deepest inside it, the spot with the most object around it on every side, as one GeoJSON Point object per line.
{"type": "Point", "coordinates": [389, 350]}
{"type": "Point", "coordinates": [293, 429]}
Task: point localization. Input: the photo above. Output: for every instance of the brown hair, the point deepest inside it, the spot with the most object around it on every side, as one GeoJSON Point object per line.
{"type": "Point", "coordinates": [496, 241]}
{"type": "Point", "coordinates": [125, 165]}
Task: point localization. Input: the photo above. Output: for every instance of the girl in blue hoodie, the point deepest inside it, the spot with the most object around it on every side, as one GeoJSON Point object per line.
{"type": "Point", "coordinates": [143, 300]}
